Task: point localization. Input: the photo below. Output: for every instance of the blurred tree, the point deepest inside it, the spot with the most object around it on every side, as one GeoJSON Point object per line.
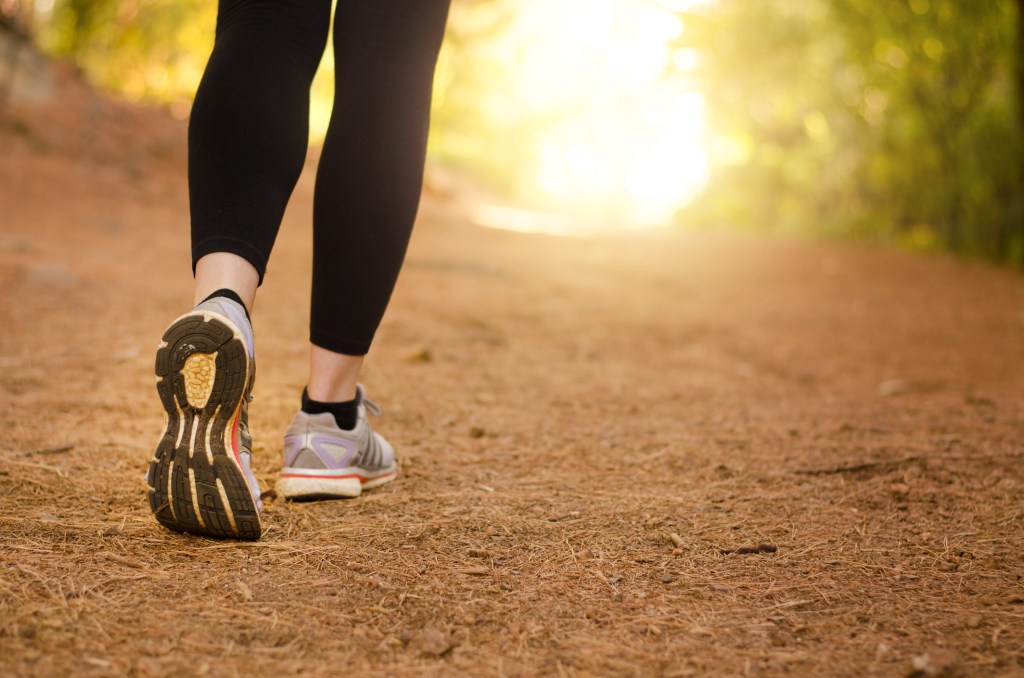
{"type": "Point", "coordinates": [151, 50]}
{"type": "Point", "coordinates": [466, 113]}
{"type": "Point", "coordinates": [894, 119]}
{"type": "Point", "coordinates": [15, 29]}
{"type": "Point", "coordinates": [944, 69]}
{"type": "Point", "coordinates": [15, 16]}
{"type": "Point", "coordinates": [900, 120]}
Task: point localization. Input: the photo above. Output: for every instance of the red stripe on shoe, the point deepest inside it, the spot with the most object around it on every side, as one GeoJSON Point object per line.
{"type": "Point", "coordinates": [235, 442]}
{"type": "Point", "coordinates": [362, 478]}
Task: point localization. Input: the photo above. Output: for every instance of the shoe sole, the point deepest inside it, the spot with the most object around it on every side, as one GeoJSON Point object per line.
{"type": "Point", "coordinates": [347, 483]}
{"type": "Point", "coordinates": [196, 480]}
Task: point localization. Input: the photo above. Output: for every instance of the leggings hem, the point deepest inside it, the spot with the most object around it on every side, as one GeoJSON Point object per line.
{"type": "Point", "coordinates": [339, 344]}
{"type": "Point", "coordinates": [231, 246]}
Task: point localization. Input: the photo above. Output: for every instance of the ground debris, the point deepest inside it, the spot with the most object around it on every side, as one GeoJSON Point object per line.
{"type": "Point", "coordinates": [243, 590]}
{"type": "Point", "coordinates": [882, 466]}
{"type": "Point", "coordinates": [743, 550]}
{"type": "Point", "coordinates": [420, 354]}
{"type": "Point", "coordinates": [428, 642]}
{"type": "Point", "coordinates": [676, 539]}
{"type": "Point", "coordinates": [936, 663]}
{"type": "Point", "coordinates": [121, 560]}
{"type": "Point", "coordinates": [474, 571]}
{"type": "Point", "coordinates": [50, 450]}
{"type": "Point", "coordinates": [892, 387]}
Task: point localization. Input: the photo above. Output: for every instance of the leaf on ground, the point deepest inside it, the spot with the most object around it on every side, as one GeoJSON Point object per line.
{"type": "Point", "coordinates": [936, 663]}
{"type": "Point", "coordinates": [430, 642]}
{"type": "Point", "coordinates": [244, 592]}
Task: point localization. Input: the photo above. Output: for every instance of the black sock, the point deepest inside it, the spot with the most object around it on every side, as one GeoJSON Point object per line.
{"type": "Point", "coordinates": [233, 296]}
{"type": "Point", "coordinates": [345, 413]}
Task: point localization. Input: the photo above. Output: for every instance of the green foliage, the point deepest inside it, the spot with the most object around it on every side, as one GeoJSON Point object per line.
{"type": "Point", "coordinates": [151, 50]}
{"type": "Point", "coordinates": [888, 119]}
{"type": "Point", "coordinates": [469, 110]}
{"type": "Point", "coordinates": [895, 120]}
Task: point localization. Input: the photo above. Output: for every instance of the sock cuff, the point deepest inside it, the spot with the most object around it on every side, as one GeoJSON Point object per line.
{"type": "Point", "coordinates": [233, 296]}
{"type": "Point", "coordinates": [321, 406]}
{"type": "Point", "coordinates": [346, 413]}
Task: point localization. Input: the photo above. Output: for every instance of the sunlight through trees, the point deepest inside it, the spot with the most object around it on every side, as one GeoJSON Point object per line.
{"type": "Point", "coordinates": [891, 120]}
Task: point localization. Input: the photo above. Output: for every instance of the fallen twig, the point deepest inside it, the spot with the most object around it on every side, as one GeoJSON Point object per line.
{"type": "Point", "coordinates": [474, 571]}
{"type": "Point", "coordinates": [760, 548]}
{"type": "Point", "coordinates": [121, 560]}
{"type": "Point", "coordinates": [51, 450]}
{"type": "Point", "coordinates": [888, 465]}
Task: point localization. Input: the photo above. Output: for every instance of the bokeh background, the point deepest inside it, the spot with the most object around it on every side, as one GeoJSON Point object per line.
{"type": "Point", "coordinates": [891, 120]}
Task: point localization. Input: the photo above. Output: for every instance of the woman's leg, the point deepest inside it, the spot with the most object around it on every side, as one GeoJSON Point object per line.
{"type": "Point", "coordinates": [370, 177]}
{"type": "Point", "coordinates": [225, 271]}
{"type": "Point", "coordinates": [332, 376]}
{"type": "Point", "coordinates": [250, 124]}
{"type": "Point", "coordinates": [247, 142]}
{"type": "Point", "coordinates": [367, 193]}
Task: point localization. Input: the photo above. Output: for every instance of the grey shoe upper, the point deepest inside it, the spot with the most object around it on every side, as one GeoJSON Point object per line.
{"type": "Point", "coordinates": [314, 441]}
{"type": "Point", "coordinates": [245, 455]}
{"type": "Point", "coordinates": [234, 312]}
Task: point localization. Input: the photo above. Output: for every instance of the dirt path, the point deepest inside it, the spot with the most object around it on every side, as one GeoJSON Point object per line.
{"type": "Point", "coordinates": [586, 428]}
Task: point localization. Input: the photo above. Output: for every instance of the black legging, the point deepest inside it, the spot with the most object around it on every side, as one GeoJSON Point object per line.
{"type": "Point", "coordinates": [249, 132]}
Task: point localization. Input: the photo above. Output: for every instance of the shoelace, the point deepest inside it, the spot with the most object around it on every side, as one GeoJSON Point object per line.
{"type": "Point", "coordinates": [371, 407]}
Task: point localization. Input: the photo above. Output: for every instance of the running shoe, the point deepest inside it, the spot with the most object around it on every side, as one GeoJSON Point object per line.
{"type": "Point", "coordinates": [200, 479]}
{"type": "Point", "coordinates": [323, 461]}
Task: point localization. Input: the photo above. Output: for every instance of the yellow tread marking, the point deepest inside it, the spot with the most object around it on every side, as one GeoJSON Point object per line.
{"type": "Point", "coordinates": [170, 490]}
{"type": "Point", "coordinates": [195, 497]}
{"type": "Point", "coordinates": [192, 442]}
{"type": "Point", "coordinates": [181, 425]}
{"type": "Point", "coordinates": [227, 505]}
{"type": "Point", "coordinates": [199, 372]}
{"type": "Point", "coordinates": [209, 430]}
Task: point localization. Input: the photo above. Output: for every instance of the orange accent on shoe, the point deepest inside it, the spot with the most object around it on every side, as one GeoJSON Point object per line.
{"type": "Point", "coordinates": [362, 479]}
{"type": "Point", "coordinates": [236, 444]}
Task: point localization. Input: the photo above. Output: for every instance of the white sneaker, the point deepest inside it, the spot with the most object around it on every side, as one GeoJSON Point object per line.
{"type": "Point", "coordinates": [322, 460]}
{"type": "Point", "coordinates": [200, 478]}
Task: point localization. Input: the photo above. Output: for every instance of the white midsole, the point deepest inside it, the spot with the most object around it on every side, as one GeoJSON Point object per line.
{"type": "Point", "coordinates": [348, 482]}
{"type": "Point", "coordinates": [338, 472]}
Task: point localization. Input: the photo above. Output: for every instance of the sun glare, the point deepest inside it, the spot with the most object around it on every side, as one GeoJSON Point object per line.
{"type": "Point", "coordinates": [625, 146]}
{"type": "Point", "coordinates": [602, 128]}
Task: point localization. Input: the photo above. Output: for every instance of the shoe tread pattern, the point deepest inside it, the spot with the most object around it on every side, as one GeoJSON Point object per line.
{"type": "Point", "coordinates": [176, 464]}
